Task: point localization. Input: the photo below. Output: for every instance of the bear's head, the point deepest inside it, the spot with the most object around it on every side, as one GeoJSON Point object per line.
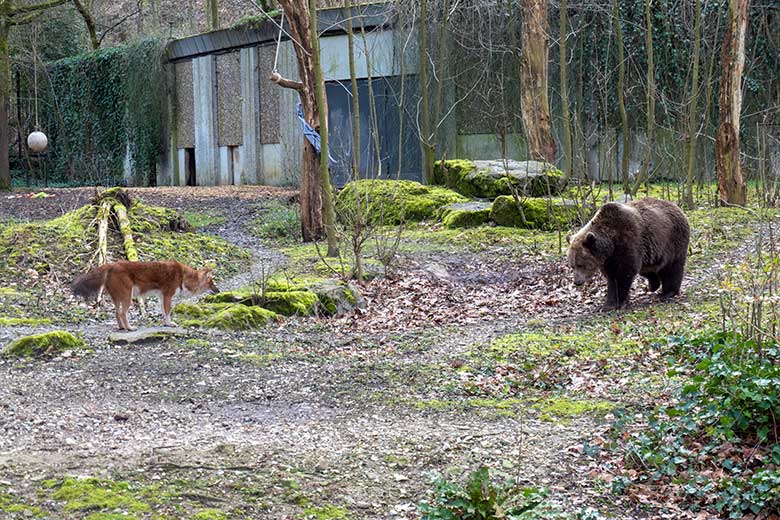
{"type": "Point", "coordinates": [587, 253]}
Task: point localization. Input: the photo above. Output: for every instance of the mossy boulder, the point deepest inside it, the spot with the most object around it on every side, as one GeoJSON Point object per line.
{"type": "Point", "coordinates": [286, 303]}
{"type": "Point", "coordinates": [46, 344]}
{"type": "Point", "coordinates": [539, 213]}
{"type": "Point", "coordinates": [393, 202]}
{"type": "Point", "coordinates": [489, 179]}
{"type": "Point", "coordinates": [296, 297]}
{"type": "Point", "coordinates": [224, 316]}
{"type": "Point", "coordinates": [465, 214]}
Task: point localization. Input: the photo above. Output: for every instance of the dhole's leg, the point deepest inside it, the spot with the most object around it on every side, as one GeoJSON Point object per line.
{"type": "Point", "coordinates": [165, 300]}
{"type": "Point", "coordinates": [125, 304]}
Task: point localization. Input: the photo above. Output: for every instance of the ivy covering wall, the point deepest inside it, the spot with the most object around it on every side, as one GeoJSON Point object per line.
{"type": "Point", "coordinates": [105, 109]}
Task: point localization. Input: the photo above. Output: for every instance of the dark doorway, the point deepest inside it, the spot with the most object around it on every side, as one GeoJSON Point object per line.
{"type": "Point", "coordinates": [189, 167]}
{"type": "Point", "coordinates": [389, 130]}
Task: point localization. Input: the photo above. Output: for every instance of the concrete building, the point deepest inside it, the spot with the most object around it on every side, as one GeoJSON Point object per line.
{"type": "Point", "coordinates": [234, 126]}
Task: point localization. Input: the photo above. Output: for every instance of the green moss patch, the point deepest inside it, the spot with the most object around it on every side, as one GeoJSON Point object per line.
{"type": "Point", "coordinates": [278, 222]}
{"type": "Point", "coordinates": [16, 508]}
{"type": "Point", "coordinates": [328, 512]}
{"type": "Point", "coordinates": [46, 344]}
{"type": "Point", "coordinates": [92, 494]}
{"type": "Point", "coordinates": [393, 202]}
{"type": "Point", "coordinates": [15, 322]}
{"type": "Point", "coordinates": [224, 316]}
{"type": "Point", "coordinates": [564, 408]}
{"type": "Point", "coordinates": [465, 214]}
{"type": "Point", "coordinates": [537, 213]}
{"type": "Point", "coordinates": [210, 514]}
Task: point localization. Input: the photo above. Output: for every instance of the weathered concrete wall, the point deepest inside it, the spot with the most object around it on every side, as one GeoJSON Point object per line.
{"type": "Point", "coordinates": [251, 167]}
{"type": "Point", "coordinates": [488, 147]}
{"type": "Point", "coordinates": [229, 99]}
{"type": "Point", "coordinates": [185, 106]}
{"type": "Point", "coordinates": [290, 135]}
{"type": "Point", "coordinates": [205, 95]}
{"type": "Point", "coordinates": [269, 96]}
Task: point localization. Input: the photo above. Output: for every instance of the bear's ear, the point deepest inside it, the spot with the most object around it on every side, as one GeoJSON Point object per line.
{"type": "Point", "coordinates": [568, 238]}
{"type": "Point", "coordinates": [594, 244]}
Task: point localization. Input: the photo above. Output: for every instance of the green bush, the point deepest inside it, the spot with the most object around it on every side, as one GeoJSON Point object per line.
{"type": "Point", "coordinates": [393, 202]}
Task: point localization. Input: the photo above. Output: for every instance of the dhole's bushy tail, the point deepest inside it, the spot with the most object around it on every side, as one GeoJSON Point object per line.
{"type": "Point", "coordinates": [89, 284]}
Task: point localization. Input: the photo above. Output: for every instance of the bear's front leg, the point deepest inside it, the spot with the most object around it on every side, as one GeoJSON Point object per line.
{"type": "Point", "coordinates": [618, 289]}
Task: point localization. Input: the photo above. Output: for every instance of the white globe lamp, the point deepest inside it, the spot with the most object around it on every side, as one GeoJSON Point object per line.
{"type": "Point", "coordinates": [37, 142]}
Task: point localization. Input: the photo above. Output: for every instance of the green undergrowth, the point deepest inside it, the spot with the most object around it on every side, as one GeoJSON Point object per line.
{"type": "Point", "coordinates": [328, 512]}
{"type": "Point", "coordinates": [278, 222]}
{"type": "Point", "coordinates": [97, 495]}
{"type": "Point", "coordinates": [714, 447]}
{"type": "Point", "coordinates": [15, 322]}
{"type": "Point", "coordinates": [425, 237]}
{"type": "Point", "coordinates": [393, 202]}
{"type": "Point", "coordinates": [310, 258]}
{"type": "Point", "coordinates": [43, 345]}
{"type": "Point", "coordinates": [200, 219]}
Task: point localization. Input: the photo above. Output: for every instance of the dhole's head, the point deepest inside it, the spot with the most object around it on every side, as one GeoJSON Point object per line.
{"type": "Point", "coordinates": [206, 281]}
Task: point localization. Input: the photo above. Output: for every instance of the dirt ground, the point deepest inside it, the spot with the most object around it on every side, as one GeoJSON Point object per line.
{"type": "Point", "coordinates": [348, 415]}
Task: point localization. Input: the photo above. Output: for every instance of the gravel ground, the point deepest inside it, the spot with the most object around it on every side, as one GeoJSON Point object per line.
{"type": "Point", "coordinates": [330, 403]}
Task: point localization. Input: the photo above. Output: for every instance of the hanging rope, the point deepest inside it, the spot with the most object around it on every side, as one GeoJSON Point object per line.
{"type": "Point", "coordinates": [278, 43]}
{"type": "Point", "coordinates": [35, 73]}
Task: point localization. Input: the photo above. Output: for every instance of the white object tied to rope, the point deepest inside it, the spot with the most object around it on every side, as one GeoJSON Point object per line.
{"type": "Point", "coordinates": [37, 140]}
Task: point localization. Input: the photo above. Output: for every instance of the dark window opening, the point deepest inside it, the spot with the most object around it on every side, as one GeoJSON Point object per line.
{"type": "Point", "coordinates": [189, 167]}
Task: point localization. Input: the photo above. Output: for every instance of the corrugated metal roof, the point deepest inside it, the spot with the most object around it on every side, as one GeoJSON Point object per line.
{"type": "Point", "coordinates": [331, 21]}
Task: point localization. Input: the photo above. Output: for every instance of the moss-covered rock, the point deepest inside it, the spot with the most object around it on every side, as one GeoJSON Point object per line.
{"type": "Point", "coordinates": [292, 297]}
{"type": "Point", "coordinates": [489, 179]}
{"type": "Point", "coordinates": [46, 344]}
{"type": "Point", "coordinates": [393, 202]}
{"type": "Point", "coordinates": [224, 316]}
{"type": "Point", "coordinates": [539, 213]}
{"type": "Point", "coordinates": [465, 214]}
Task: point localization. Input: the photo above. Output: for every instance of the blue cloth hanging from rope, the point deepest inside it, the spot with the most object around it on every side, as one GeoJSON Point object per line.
{"type": "Point", "coordinates": [311, 134]}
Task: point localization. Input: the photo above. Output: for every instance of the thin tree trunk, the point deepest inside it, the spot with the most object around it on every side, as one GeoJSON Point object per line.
{"type": "Point", "coordinates": [731, 185]}
{"type": "Point", "coordinates": [297, 14]}
{"type": "Point", "coordinates": [329, 217]}
{"type": "Point", "coordinates": [426, 140]}
{"type": "Point", "coordinates": [5, 88]}
{"type": "Point", "coordinates": [626, 155]}
{"type": "Point", "coordinates": [534, 103]}
{"type": "Point", "coordinates": [644, 172]}
{"type": "Point", "coordinates": [358, 222]}
{"type": "Point", "coordinates": [693, 129]}
{"type": "Point", "coordinates": [566, 119]}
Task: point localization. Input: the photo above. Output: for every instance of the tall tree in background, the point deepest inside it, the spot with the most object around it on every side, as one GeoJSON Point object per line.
{"type": "Point", "coordinates": [212, 14]}
{"type": "Point", "coordinates": [426, 140]}
{"type": "Point", "coordinates": [731, 185]}
{"type": "Point", "coordinates": [693, 118]}
{"type": "Point", "coordinates": [313, 224]}
{"type": "Point", "coordinates": [12, 15]}
{"type": "Point", "coordinates": [534, 103]}
{"type": "Point", "coordinates": [644, 171]}
{"type": "Point", "coordinates": [626, 132]}
{"type": "Point", "coordinates": [565, 118]}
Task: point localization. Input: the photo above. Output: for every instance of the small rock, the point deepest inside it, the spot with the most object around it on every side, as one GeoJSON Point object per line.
{"type": "Point", "coordinates": [146, 335]}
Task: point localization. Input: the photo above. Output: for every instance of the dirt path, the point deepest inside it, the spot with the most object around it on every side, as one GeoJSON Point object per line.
{"type": "Point", "coordinates": [356, 411]}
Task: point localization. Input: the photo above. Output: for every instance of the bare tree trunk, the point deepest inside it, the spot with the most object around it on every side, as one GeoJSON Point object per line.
{"type": "Point", "coordinates": [426, 139]}
{"type": "Point", "coordinates": [731, 185]}
{"type": "Point", "coordinates": [644, 172]}
{"type": "Point", "coordinates": [322, 109]}
{"type": "Point", "coordinates": [534, 103]}
{"type": "Point", "coordinates": [626, 155]}
{"type": "Point", "coordinates": [89, 21]}
{"type": "Point", "coordinates": [566, 119]}
{"type": "Point", "coordinates": [297, 14]}
{"type": "Point", "coordinates": [692, 112]}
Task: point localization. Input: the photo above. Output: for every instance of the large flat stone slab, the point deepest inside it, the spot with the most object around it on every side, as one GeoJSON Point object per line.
{"type": "Point", "coordinates": [146, 335]}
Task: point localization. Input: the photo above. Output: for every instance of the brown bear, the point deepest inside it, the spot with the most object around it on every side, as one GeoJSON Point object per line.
{"type": "Point", "coordinates": [648, 237]}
